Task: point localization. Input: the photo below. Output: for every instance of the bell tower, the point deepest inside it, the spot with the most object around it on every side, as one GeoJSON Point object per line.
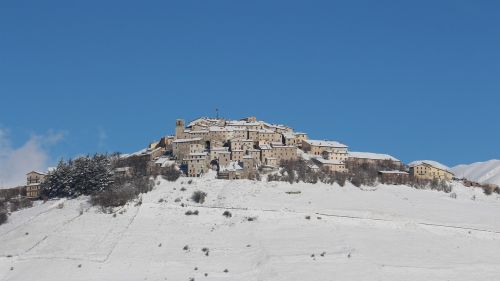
{"type": "Point", "coordinates": [179, 128]}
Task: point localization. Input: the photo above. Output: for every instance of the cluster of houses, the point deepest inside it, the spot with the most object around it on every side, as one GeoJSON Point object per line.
{"type": "Point", "coordinates": [237, 148]}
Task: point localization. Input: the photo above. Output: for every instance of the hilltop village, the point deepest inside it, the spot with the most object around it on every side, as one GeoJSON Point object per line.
{"type": "Point", "coordinates": [237, 148]}
{"type": "Point", "coordinates": [248, 148]}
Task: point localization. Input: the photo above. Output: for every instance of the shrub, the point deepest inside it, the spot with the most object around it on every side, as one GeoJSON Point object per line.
{"type": "Point", "coordinates": [20, 203]}
{"type": "Point", "coordinates": [227, 214]}
{"type": "Point", "coordinates": [189, 213]}
{"type": "Point", "coordinates": [198, 197]}
{"type": "Point", "coordinates": [487, 191]}
{"type": "Point", "coordinates": [170, 173]}
{"type": "Point", "coordinates": [114, 197]}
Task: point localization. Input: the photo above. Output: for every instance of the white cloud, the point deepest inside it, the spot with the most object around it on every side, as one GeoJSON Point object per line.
{"type": "Point", "coordinates": [15, 162]}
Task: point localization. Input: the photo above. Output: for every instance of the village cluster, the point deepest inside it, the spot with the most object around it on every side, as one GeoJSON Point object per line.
{"type": "Point", "coordinates": [236, 149]}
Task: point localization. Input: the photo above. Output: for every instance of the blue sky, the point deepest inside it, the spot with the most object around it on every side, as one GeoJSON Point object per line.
{"type": "Point", "coordinates": [416, 79]}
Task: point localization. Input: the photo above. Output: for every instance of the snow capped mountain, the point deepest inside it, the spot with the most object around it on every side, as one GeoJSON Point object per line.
{"type": "Point", "coordinates": [483, 172]}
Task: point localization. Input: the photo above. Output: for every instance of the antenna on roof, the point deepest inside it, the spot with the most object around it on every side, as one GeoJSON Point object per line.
{"type": "Point", "coordinates": [217, 113]}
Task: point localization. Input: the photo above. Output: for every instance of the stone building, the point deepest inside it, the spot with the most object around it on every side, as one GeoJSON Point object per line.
{"type": "Point", "coordinates": [34, 180]}
{"type": "Point", "coordinates": [182, 147]}
{"type": "Point", "coordinates": [285, 152]}
{"type": "Point", "coordinates": [360, 158]}
{"type": "Point", "coordinates": [331, 150]}
{"type": "Point", "coordinates": [430, 170]}
{"type": "Point", "coordinates": [196, 164]}
{"type": "Point", "coordinates": [330, 165]}
{"type": "Point", "coordinates": [394, 177]}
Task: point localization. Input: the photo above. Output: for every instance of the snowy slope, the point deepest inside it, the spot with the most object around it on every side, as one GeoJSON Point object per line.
{"type": "Point", "coordinates": [483, 172]}
{"type": "Point", "coordinates": [387, 233]}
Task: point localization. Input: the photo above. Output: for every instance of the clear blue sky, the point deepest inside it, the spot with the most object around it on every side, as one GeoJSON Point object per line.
{"type": "Point", "coordinates": [419, 79]}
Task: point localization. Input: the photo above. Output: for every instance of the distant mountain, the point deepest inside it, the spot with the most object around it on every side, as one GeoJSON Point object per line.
{"type": "Point", "coordinates": [483, 172]}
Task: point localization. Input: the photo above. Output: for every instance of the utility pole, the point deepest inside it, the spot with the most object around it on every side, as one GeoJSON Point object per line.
{"type": "Point", "coordinates": [217, 113]}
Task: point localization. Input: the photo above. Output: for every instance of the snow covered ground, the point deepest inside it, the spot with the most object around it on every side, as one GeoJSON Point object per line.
{"type": "Point", "coordinates": [382, 233]}
{"type": "Point", "coordinates": [483, 172]}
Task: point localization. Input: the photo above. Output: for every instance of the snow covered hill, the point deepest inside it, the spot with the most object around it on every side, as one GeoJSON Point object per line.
{"type": "Point", "coordinates": [277, 231]}
{"type": "Point", "coordinates": [483, 172]}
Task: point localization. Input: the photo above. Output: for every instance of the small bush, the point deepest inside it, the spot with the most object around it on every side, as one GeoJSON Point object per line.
{"type": "Point", "coordinates": [251, 218]}
{"type": "Point", "coordinates": [113, 197]}
{"type": "Point", "coordinates": [227, 214]}
{"type": "Point", "coordinates": [453, 195]}
{"type": "Point", "coordinates": [18, 204]}
{"type": "Point", "coordinates": [488, 190]}
{"type": "Point", "coordinates": [170, 173]}
{"type": "Point", "coordinates": [3, 217]}
{"type": "Point", "coordinates": [183, 189]}
{"type": "Point", "coordinates": [191, 213]}
{"type": "Point", "coordinates": [199, 197]}
{"type": "Point", "coordinates": [308, 217]}
{"type": "Point", "coordinates": [185, 248]}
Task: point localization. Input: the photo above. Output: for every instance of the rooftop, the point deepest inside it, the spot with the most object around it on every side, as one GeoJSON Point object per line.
{"type": "Point", "coordinates": [370, 155]}
{"type": "Point", "coordinates": [326, 143]}
{"type": "Point", "coordinates": [432, 163]}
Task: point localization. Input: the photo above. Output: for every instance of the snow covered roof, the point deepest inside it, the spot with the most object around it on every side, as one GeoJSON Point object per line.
{"type": "Point", "coordinates": [231, 166]}
{"type": "Point", "coordinates": [219, 149]}
{"type": "Point", "coordinates": [164, 161]}
{"type": "Point", "coordinates": [313, 166]}
{"type": "Point", "coordinates": [203, 120]}
{"type": "Point", "coordinates": [432, 163]}
{"type": "Point", "coordinates": [36, 172]}
{"type": "Point", "coordinates": [242, 123]}
{"type": "Point", "coordinates": [328, 162]}
{"type": "Point", "coordinates": [265, 147]}
{"type": "Point", "coordinates": [370, 155]}
{"type": "Point", "coordinates": [326, 143]}
{"type": "Point", "coordinates": [186, 140]}
{"type": "Point", "coordinates": [393, 172]}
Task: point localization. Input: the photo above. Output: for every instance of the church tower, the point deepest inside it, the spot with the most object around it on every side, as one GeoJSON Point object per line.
{"type": "Point", "coordinates": [179, 128]}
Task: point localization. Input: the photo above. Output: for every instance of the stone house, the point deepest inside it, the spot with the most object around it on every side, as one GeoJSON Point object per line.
{"type": "Point", "coordinates": [394, 177]}
{"type": "Point", "coordinates": [34, 180]}
{"type": "Point", "coordinates": [360, 158]}
{"type": "Point", "coordinates": [331, 150]}
{"type": "Point", "coordinates": [285, 152]}
{"type": "Point", "coordinates": [330, 165]}
{"type": "Point", "coordinates": [430, 170]}
{"type": "Point", "coordinates": [182, 147]}
{"type": "Point", "coordinates": [196, 163]}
